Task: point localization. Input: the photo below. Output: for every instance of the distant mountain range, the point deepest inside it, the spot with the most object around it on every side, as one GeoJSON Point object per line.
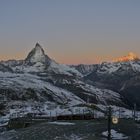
{"type": "Point", "coordinates": [40, 81]}
{"type": "Point", "coordinates": [121, 76]}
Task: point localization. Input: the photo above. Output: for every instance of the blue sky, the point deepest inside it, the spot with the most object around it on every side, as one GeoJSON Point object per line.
{"type": "Point", "coordinates": [71, 31]}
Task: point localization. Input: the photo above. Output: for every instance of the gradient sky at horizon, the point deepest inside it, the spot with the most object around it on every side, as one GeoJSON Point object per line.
{"type": "Point", "coordinates": [71, 32]}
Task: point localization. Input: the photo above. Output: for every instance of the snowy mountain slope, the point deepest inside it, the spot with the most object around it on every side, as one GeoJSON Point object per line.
{"type": "Point", "coordinates": [20, 83]}
{"type": "Point", "coordinates": [121, 77]}
{"type": "Point", "coordinates": [63, 69]}
{"type": "Point", "coordinates": [12, 63]}
{"type": "Point", "coordinates": [86, 92]}
{"type": "Point", "coordinates": [4, 68]}
{"type": "Point", "coordinates": [16, 90]}
{"type": "Point", "coordinates": [85, 69]}
{"type": "Point", "coordinates": [27, 88]}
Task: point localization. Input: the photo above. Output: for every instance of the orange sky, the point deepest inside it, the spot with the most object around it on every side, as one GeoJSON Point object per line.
{"type": "Point", "coordinates": [69, 56]}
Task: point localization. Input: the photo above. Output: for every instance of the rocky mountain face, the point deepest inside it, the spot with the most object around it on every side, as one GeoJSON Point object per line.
{"type": "Point", "coordinates": [85, 69]}
{"type": "Point", "coordinates": [40, 81]}
{"type": "Point", "coordinates": [121, 77]}
{"type": "Point", "coordinates": [37, 55]}
{"type": "Point", "coordinates": [4, 68]}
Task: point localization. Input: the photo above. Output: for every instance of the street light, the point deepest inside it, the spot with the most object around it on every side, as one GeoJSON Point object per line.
{"type": "Point", "coordinates": [111, 120]}
{"type": "Point", "coordinates": [115, 120]}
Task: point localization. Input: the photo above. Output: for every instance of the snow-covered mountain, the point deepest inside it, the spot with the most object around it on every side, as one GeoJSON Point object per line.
{"type": "Point", "coordinates": [37, 55]}
{"type": "Point", "coordinates": [38, 62]}
{"type": "Point", "coordinates": [121, 77]}
{"type": "Point", "coordinates": [85, 69]}
{"type": "Point", "coordinates": [4, 68]}
{"type": "Point", "coordinates": [39, 80]}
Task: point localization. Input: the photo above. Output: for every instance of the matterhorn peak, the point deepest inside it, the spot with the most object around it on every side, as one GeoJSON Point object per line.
{"type": "Point", "coordinates": [38, 46]}
{"type": "Point", "coordinates": [131, 56]}
{"type": "Point", "coordinates": [37, 54]}
{"type": "Point", "coordinates": [38, 49]}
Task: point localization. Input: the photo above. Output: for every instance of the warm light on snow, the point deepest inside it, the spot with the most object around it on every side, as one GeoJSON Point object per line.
{"type": "Point", "coordinates": [129, 57]}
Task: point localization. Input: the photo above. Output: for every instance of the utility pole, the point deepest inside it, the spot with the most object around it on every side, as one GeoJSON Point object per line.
{"type": "Point", "coordinates": [135, 107]}
{"type": "Point", "coordinates": [109, 123]}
